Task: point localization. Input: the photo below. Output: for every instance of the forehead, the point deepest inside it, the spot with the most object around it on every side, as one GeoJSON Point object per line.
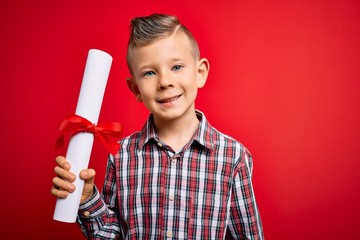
{"type": "Point", "coordinates": [177, 45]}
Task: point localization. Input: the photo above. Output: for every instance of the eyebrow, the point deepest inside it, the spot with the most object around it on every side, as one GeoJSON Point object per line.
{"type": "Point", "coordinates": [150, 65]}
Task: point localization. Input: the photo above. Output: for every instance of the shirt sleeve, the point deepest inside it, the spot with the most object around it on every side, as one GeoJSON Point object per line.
{"type": "Point", "coordinates": [98, 216]}
{"type": "Point", "coordinates": [244, 222]}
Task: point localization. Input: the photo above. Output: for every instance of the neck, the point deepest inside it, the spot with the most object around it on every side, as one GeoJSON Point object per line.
{"type": "Point", "coordinates": [176, 133]}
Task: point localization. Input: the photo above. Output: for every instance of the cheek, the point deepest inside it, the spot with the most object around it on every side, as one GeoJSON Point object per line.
{"type": "Point", "coordinates": [145, 91]}
{"type": "Point", "coordinates": [192, 88]}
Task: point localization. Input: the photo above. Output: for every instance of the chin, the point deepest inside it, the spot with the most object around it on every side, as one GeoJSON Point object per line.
{"type": "Point", "coordinates": [174, 114]}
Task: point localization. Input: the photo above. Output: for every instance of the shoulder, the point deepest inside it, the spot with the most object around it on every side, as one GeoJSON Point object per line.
{"type": "Point", "coordinates": [223, 144]}
{"type": "Point", "coordinates": [232, 148]}
{"type": "Point", "coordinates": [139, 138]}
{"type": "Point", "coordinates": [130, 141]}
{"type": "Point", "coordinates": [232, 152]}
{"type": "Point", "coordinates": [226, 142]}
{"type": "Point", "coordinates": [128, 146]}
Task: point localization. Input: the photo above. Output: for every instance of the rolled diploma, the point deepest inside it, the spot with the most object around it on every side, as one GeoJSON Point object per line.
{"type": "Point", "coordinates": [92, 90]}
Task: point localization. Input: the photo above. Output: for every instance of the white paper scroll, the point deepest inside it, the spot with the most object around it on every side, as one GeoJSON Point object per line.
{"type": "Point", "coordinates": [78, 153]}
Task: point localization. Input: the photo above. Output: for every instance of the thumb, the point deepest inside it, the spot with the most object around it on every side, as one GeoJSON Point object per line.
{"type": "Point", "coordinates": [88, 175]}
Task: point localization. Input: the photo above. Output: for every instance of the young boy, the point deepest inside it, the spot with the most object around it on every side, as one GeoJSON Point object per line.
{"type": "Point", "coordinates": [178, 177]}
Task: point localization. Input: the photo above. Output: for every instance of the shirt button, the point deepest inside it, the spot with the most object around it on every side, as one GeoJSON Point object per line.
{"type": "Point", "coordinates": [173, 160]}
{"type": "Point", "coordinates": [159, 144]}
{"type": "Point", "coordinates": [169, 234]}
{"type": "Point", "coordinates": [86, 213]}
{"type": "Point", "coordinates": [171, 197]}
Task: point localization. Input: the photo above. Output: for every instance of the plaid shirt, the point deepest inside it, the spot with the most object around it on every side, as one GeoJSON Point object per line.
{"type": "Point", "coordinates": [151, 192]}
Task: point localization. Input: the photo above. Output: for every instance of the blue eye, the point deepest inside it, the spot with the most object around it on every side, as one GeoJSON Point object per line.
{"type": "Point", "coordinates": [177, 68]}
{"type": "Point", "coordinates": [149, 74]}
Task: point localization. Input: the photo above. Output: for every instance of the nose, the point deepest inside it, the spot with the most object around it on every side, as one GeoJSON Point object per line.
{"type": "Point", "coordinates": [164, 81]}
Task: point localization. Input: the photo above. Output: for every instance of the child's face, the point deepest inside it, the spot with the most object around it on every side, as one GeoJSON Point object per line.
{"type": "Point", "coordinates": [166, 76]}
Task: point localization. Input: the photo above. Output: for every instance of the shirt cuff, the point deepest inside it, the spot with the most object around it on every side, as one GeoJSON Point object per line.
{"type": "Point", "coordinates": [94, 207]}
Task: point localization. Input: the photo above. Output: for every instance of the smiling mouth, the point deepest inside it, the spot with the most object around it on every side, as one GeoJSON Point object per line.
{"type": "Point", "coordinates": [167, 100]}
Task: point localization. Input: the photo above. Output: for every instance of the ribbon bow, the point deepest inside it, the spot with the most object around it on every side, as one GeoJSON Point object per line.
{"type": "Point", "coordinates": [107, 133]}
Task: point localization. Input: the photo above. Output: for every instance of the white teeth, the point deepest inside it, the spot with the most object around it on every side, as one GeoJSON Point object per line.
{"type": "Point", "coordinates": [169, 100]}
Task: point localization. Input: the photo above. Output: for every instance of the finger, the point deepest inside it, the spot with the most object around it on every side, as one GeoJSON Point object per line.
{"type": "Point", "coordinates": [88, 175]}
{"type": "Point", "coordinates": [62, 162]}
{"type": "Point", "coordinates": [88, 190]}
{"type": "Point", "coordinates": [64, 174]}
{"type": "Point", "coordinates": [59, 193]}
{"type": "Point", "coordinates": [63, 185]}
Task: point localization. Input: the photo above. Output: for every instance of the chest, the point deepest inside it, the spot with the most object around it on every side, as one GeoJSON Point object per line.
{"type": "Point", "coordinates": [195, 174]}
{"type": "Point", "coordinates": [189, 191]}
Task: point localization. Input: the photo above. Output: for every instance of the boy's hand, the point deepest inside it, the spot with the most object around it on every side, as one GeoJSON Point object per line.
{"type": "Point", "coordinates": [62, 183]}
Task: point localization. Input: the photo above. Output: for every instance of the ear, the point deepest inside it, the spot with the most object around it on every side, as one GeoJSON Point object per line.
{"type": "Point", "coordinates": [202, 72]}
{"type": "Point", "coordinates": [133, 88]}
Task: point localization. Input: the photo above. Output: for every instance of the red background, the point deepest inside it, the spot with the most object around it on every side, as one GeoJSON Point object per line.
{"type": "Point", "coordinates": [284, 81]}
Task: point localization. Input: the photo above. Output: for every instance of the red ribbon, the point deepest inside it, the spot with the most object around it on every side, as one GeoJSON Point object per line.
{"type": "Point", "coordinates": [107, 133]}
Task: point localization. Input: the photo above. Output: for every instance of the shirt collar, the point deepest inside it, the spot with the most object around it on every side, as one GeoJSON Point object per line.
{"type": "Point", "coordinates": [203, 135]}
{"type": "Point", "coordinates": [205, 132]}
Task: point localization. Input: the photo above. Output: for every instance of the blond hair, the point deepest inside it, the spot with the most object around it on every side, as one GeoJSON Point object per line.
{"type": "Point", "coordinates": [145, 30]}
